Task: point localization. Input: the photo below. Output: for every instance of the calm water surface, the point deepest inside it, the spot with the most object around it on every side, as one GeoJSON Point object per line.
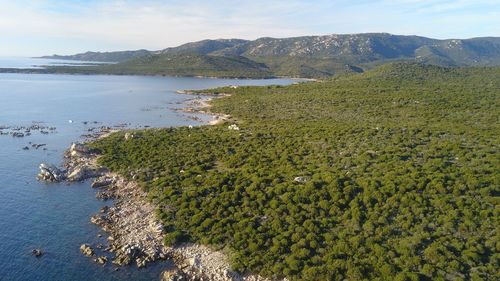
{"type": "Point", "coordinates": [55, 217]}
{"type": "Point", "coordinates": [31, 63]}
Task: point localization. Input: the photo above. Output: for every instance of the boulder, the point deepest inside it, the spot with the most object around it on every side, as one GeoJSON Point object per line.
{"type": "Point", "coordinates": [300, 179]}
{"type": "Point", "coordinates": [233, 127]}
{"type": "Point", "coordinates": [195, 262]}
{"type": "Point", "coordinates": [102, 260]}
{"type": "Point", "coordinates": [50, 173]}
{"type": "Point", "coordinates": [82, 172]}
{"type": "Point", "coordinates": [78, 150]}
{"type": "Point", "coordinates": [173, 275]}
{"type": "Point", "coordinates": [133, 251]}
{"type": "Point", "coordinates": [86, 250]}
{"type": "Point", "coordinates": [140, 262]}
{"type": "Point", "coordinates": [99, 220]}
{"type": "Point", "coordinates": [105, 195]}
{"type": "Point", "coordinates": [122, 259]}
{"type": "Point", "coordinates": [102, 181]}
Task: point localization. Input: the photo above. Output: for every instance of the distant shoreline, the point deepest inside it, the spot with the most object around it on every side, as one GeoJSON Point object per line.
{"type": "Point", "coordinates": [57, 71]}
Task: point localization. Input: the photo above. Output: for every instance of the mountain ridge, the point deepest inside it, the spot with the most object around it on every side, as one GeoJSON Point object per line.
{"type": "Point", "coordinates": [319, 56]}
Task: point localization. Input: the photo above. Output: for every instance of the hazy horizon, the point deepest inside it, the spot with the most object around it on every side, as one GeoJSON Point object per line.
{"type": "Point", "coordinates": [117, 50]}
{"type": "Point", "coordinates": [46, 27]}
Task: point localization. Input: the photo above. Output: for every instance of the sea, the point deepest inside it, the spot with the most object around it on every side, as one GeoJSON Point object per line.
{"type": "Point", "coordinates": [54, 217]}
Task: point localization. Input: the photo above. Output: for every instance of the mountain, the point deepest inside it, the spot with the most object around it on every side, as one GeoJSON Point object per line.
{"type": "Point", "coordinates": [206, 47]}
{"type": "Point", "coordinates": [103, 56]}
{"type": "Point", "coordinates": [307, 56]}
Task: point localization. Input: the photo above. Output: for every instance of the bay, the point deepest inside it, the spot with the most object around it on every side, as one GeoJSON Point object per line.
{"type": "Point", "coordinates": [55, 217]}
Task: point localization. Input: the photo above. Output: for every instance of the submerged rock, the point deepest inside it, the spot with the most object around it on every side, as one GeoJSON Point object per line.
{"type": "Point", "coordinates": [37, 146]}
{"type": "Point", "coordinates": [50, 173]}
{"type": "Point", "coordinates": [86, 250]}
{"type": "Point", "coordinates": [37, 253]}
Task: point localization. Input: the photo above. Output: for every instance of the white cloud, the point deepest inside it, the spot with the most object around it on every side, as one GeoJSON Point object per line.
{"type": "Point", "coordinates": [152, 25]}
{"type": "Point", "coordinates": [57, 26]}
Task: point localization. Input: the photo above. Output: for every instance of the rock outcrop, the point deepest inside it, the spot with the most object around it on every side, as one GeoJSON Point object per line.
{"type": "Point", "coordinates": [78, 150]}
{"type": "Point", "coordinates": [103, 181]}
{"type": "Point", "coordinates": [79, 165]}
{"type": "Point", "coordinates": [199, 262]}
{"type": "Point", "coordinates": [50, 173]}
{"type": "Point", "coordinates": [82, 172]}
{"type": "Point", "coordinates": [135, 234]}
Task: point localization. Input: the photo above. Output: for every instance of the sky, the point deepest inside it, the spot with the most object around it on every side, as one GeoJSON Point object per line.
{"type": "Point", "coordinates": [44, 27]}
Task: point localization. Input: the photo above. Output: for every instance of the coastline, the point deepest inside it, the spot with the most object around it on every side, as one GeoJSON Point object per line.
{"type": "Point", "coordinates": [200, 104]}
{"type": "Point", "coordinates": [56, 71]}
{"type": "Point", "coordinates": [135, 235]}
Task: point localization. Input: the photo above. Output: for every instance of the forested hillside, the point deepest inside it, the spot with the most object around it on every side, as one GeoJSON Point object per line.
{"type": "Point", "coordinates": [117, 56]}
{"type": "Point", "coordinates": [306, 56]}
{"type": "Point", "coordinates": [388, 175]}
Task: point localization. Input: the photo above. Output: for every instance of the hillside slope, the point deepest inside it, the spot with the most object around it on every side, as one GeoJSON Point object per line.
{"type": "Point", "coordinates": [310, 56]}
{"type": "Point", "coordinates": [194, 64]}
{"type": "Point", "coordinates": [118, 56]}
{"type": "Point", "coordinates": [387, 175]}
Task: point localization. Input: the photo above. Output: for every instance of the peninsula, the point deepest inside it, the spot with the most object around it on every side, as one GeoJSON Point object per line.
{"type": "Point", "coordinates": [389, 174]}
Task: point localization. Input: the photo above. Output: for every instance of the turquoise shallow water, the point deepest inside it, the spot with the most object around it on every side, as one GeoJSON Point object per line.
{"type": "Point", "coordinates": [55, 217]}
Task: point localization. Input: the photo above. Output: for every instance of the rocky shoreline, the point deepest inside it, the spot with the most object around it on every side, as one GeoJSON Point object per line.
{"type": "Point", "coordinates": [201, 104]}
{"type": "Point", "coordinates": [135, 235]}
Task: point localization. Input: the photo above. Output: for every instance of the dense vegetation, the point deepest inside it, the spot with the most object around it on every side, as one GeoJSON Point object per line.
{"type": "Point", "coordinates": [187, 64]}
{"type": "Point", "coordinates": [388, 175]}
{"type": "Point", "coordinates": [194, 64]}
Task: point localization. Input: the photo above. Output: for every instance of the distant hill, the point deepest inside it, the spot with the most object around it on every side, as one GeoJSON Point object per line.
{"type": "Point", "coordinates": [191, 64]}
{"type": "Point", "coordinates": [307, 56]}
{"type": "Point", "coordinates": [103, 56]}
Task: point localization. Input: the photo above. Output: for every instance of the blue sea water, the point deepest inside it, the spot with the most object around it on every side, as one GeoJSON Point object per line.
{"type": "Point", "coordinates": [31, 63]}
{"type": "Point", "coordinates": [55, 217]}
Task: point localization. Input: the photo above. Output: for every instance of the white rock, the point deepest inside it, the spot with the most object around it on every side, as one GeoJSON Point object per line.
{"type": "Point", "coordinates": [233, 127]}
